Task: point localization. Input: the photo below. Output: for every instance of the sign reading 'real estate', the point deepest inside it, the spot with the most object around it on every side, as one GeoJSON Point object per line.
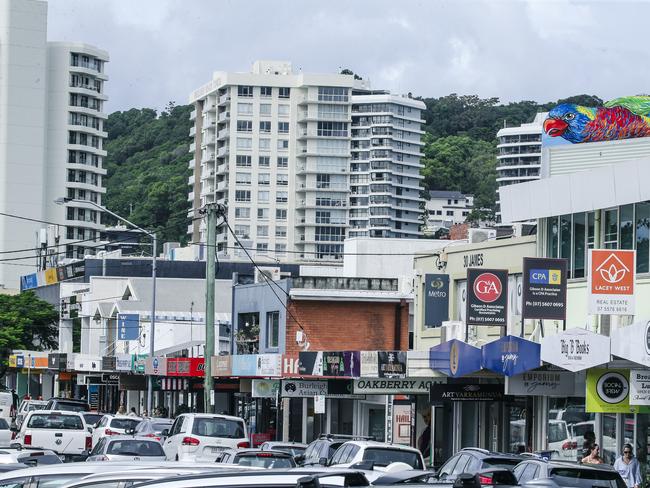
{"type": "Point", "coordinates": [576, 349]}
{"type": "Point", "coordinates": [611, 281]}
{"type": "Point", "coordinates": [544, 289]}
{"type": "Point", "coordinates": [487, 296]}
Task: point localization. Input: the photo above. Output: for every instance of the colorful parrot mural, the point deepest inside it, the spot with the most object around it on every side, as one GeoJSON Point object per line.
{"type": "Point", "coordinates": [621, 118]}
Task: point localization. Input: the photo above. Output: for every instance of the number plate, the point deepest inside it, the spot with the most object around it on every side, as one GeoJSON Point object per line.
{"type": "Point", "coordinates": [217, 449]}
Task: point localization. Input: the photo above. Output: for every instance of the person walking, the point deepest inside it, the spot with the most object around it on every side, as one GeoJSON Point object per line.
{"type": "Point", "coordinates": [121, 410]}
{"type": "Point", "coordinates": [628, 467]}
{"type": "Point", "coordinates": [594, 456]}
{"type": "Point", "coordinates": [133, 413]}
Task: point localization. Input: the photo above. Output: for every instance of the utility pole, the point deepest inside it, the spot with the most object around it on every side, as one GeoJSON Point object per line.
{"type": "Point", "coordinates": [152, 333]}
{"type": "Point", "coordinates": [212, 212]}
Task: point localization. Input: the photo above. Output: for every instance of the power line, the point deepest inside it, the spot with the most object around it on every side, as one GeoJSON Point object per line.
{"type": "Point", "coordinates": [20, 217]}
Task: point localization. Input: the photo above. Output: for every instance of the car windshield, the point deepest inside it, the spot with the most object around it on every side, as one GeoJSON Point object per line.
{"type": "Point", "coordinates": [293, 450]}
{"type": "Point", "coordinates": [70, 406]}
{"type": "Point", "coordinates": [160, 427]}
{"type": "Point", "coordinates": [3, 424]}
{"type": "Point", "coordinates": [44, 459]}
{"type": "Point", "coordinates": [135, 447]}
{"type": "Point", "coordinates": [92, 418]}
{"type": "Point", "coordinates": [500, 462]}
{"type": "Point", "coordinates": [579, 430]}
{"type": "Point", "coordinates": [586, 478]}
{"type": "Point", "coordinates": [55, 421]}
{"type": "Point", "coordinates": [557, 432]}
{"type": "Point", "coordinates": [35, 406]}
{"type": "Point", "coordinates": [264, 461]}
{"type": "Point", "coordinates": [124, 423]}
{"type": "Point", "coordinates": [384, 457]}
{"type": "Point", "coordinates": [218, 427]}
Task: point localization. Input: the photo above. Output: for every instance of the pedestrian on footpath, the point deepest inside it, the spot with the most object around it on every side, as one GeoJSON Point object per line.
{"type": "Point", "coordinates": [628, 467]}
{"type": "Point", "coordinates": [133, 413]}
{"type": "Point", "coordinates": [594, 456]}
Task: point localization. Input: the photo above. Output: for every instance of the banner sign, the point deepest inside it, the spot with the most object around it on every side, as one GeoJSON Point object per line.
{"type": "Point", "coordinates": [156, 366]}
{"type": "Point", "coordinates": [487, 296]}
{"type": "Point", "coordinates": [109, 363]}
{"type": "Point", "coordinates": [633, 343]}
{"type": "Point", "coordinates": [392, 364]}
{"type": "Point", "coordinates": [436, 299]}
{"type": "Point", "coordinates": [244, 365]}
{"type": "Point", "coordinates": [544, 289]}
{"type": "Point", "coordinates": [576, 349]}
{"type": "Point", "coordinates": [608, 390]}
{"type": "Point", "coordinates": [542, 383]}
{"type": "Point", "coordinates": [185, 367]}
{"type": "Point", "coordinates": [128, 326]}
{"type": "Point", "coordinates": [511, 355]}
{"type": "Point", "coordinates": [123, 362]}
{"type": "Point", "coordinates": [611, 281]}
{"type": "Point", "coordinates": [310, 363]}
{"type": "Point", "coordinates": [455, 358]}
{"type": "Point", "coordinates": [269, 365]}
{"type": "Point", "coordinates": [459, 392]}
{"type": "Point", "coordinates": [57, 361]}
{"type": "Point", "coordinates": [265, 388]}
{"type": "Point", "coordinates": [406, 386]}
{"type": "Point", "coordinates": [138, 362]}
{"type": "Point", "coordinates": [402, 423]}
{"type": "Point", "coordinates": [310, 388]}
{"type": "Point", "coordinates": [221, 365]}
{"type": "Point", "coordinates": [87, 363]}
{"type": "Point", "coordinates": [369, 364]}
{"type": "Point", "coordinates": [342, 363]}
{"type": "Point", "coordinates": [639, 387]}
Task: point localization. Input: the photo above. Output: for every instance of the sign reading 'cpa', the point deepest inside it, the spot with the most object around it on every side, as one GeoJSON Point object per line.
{"type": "Point", "coordinates": [487, 296]}
{"type": "Point", "coordinates": [611, 281]}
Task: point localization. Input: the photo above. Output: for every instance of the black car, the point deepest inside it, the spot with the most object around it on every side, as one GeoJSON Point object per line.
{"type": "Point", "coordinates": [257, 458]}
{"type": "Point", "coordinates": [556, 474]}
{"type": "Point", "coordinates": [474, 460]}
{"type": "Point", "coordinates": [320, 451]}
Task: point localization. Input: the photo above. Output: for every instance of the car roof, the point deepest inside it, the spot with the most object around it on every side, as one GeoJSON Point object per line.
{"type": "Point", "coordinates": [56, 411]}
{"type": "Point", "coordinates": [489, 454]}
{"type": "Point", "coordinates": [130, 438]}
{"type": "Point", "coordinates": [266, 452]}
{"type": "Point", "coordinates": [73, 468]}
{"type": "Point", "coordinates": [212, 415]}
{"type": "Point", "coordinates": [382, 445]}
{"type": "Point", "coordinates": [287, 444]}
{"type": "Point", "coordinates": [75, 400]}
{"type": "Point", "coordinates": [8, 451]}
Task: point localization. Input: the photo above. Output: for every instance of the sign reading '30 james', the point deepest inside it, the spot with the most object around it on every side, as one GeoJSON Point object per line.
{"type": "Point", "coordinates": [487, 296]}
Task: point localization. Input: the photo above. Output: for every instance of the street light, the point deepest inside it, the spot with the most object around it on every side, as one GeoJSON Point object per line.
{"type": "Point", "coordinates": [152, 335]}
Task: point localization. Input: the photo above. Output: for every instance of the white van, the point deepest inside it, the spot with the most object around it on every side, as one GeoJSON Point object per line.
{"type": "Point", "coordinates": [6, 405]}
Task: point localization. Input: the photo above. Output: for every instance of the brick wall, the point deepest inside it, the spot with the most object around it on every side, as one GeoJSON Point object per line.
{"type": "Point", "coordinates": [347, 326]}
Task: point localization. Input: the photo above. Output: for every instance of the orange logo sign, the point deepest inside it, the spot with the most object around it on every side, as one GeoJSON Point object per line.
{"type": "Point", "coordinates": [612, 272]}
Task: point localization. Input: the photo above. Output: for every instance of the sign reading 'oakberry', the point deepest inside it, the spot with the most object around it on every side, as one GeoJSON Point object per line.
{"type": "Point", "coordinates": [487, 296]}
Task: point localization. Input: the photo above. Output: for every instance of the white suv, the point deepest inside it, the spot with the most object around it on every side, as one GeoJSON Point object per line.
{"type": "Point", "coordinates": [380, 454]}
{"type": "Point", "coordinates": [114, 425]}
{"type": "Point", "coordinates": [202, 436]}
{"type": "Point", "coordinates": [65, 433]}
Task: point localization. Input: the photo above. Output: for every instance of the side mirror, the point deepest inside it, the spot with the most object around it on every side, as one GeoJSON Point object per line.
{"type": "Point", "coordinates": [165, 433]}
{"type": "Point", "coordinates": [323, 461]}
{"type": "Point", "coordinates": [90, 429]}
{"type": "Point", "coordinates": [299, 458]}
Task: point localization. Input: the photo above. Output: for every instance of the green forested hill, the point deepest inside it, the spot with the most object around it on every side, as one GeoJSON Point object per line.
{"type": "Point", "coordinates": [148, 160]}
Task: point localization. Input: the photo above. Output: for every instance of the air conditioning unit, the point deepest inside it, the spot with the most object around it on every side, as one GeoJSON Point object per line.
{"type": "Point", "coordinates": [271, 273]}
{"type": "Point", "coordinates": [452, 329]}
{"type": "Point", "coordinates": [481, 235]}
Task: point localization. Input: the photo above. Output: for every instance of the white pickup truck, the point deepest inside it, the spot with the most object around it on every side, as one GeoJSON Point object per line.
{"type": "Point", "coordinates": [65, 433]}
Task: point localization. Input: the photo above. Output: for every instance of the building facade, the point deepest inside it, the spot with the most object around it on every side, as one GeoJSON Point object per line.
{"type": "Point", "coordinates": [519, 153]}
{"type": "Point", "coordinates": [447, 208]}
{"type": "Point", "coordinates": [275, 146]}
{"type": "Point", "coordinates": [51, 138]}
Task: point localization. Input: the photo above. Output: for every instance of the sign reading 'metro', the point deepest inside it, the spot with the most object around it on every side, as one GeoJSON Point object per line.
{"type": "Point", "coordinates": [487, 296]}
{"type": "Point", "coordinates": [544, 289]}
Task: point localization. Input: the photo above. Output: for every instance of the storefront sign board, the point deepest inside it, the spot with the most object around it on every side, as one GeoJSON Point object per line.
{"type": "Point", "coordinates": [455, 358]}
{"type": "Point", "coordinates": [511, 355]}
{"type": "Point", "coordinates": [221, 365]}
{"type": "Point", "coordinates": [128, 326]}
{"type": "Point", "coordinates": [269, 365]}
{"type": "Point", "coordinates": [611, 281]}
{"type": "Point", "coordinates": [310, 363]}
{"type": "Point", "coordinates": [303, 388]}
{"type": "Point", "coordinates": [401, 423]}
{"type": "Point", "coordinates": [57, 361]}
{"type": "Point", "coordinates": [633, 343]}
{"type": "Point", "coordinates": [123, 362]}
{"type": "Point", "coordinates": [87, 363]}
{"type": "Point", "coordinates": [608, 390]}
{"type": "Point", "coordinates": [244, 365]}
{"type": "Point", "coordinates": [639, 387]}
{"type": "Point", "coordinates": [544, 288]}
{"type": "Point", "coordinates": [342, 363]}
{"type": "Point", "coordinates": [156, 366]}
{"type": "Point", "coordinates": [185, 367]}
{"type": "Point", "coordinates": [472, 392]}
{"type": "Point", "coordinates": [487, 296]}
{"type": "Point", "coordinates": [398, 386]}
{"type": "Point", "coordinates": [576, 349]}
{"type": "Point", "coordinates": [543, 383]}
{"type": "Point", "coordinates": [265, 388]}
{"type": "Point", "coordinates": [392, 364]}
{"type": "Point", "coordinates": [369, 364]}
{"type": "Point", "coordinates": [109, 363]}
{"type": "Point", "coordinates": [436, 299]}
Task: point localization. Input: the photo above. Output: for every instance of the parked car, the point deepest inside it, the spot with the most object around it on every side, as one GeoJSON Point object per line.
{"type": "Point", "coordinates": [257, 458]}
{"type": "Point", "coordinates": [560, 439]}
{"type": "Point", "coordinates": [7, 405]}
{"type": "Point", "coordinates": [554, 474]}
{"type": "Point", "coordinates": [379, 454]}
{"type": "Point", "coordinates": [153, 428]}
{"type": "Point", "coordinates": [472, 460]}
{"type": "Point", "coordinates": [29, 456]}
{"type": "Point", "coordinates": [320, 451]}
{"type": "Point", "coordinates": [27, 406]}
{"type": "Point", "coordinates": [62, 432]}
{"type": "Point", "coordinates": [293, 448]}
{"type": "Point", "coordinates": [67, 404]}
{"type": "Point", "coordinates": [92, 419]}
{"type": "Point", "coordinates": [127, 448]}
{"type": "Point", "coordinates": [200, 436]}
{"type": "Point", "coordinates": [5, 433]}
{"type": "Point", "coordinates": [114, 425]}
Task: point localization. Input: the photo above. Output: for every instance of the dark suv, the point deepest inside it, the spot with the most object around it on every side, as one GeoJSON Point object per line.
{"type": "Point", "coordinates": [537, 472]}
{"type": "Point", "coordinates": [474, 460]}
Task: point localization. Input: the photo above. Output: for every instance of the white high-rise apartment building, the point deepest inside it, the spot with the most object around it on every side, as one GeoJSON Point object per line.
{"type": "Point", "coordinates": [51, 138]}
{"type": "Point", "coordinates": [275, 146]}
{"type": "Point", "coordinates": [385, 168]}
{"type": "Point", "coordinates": [519, 153]}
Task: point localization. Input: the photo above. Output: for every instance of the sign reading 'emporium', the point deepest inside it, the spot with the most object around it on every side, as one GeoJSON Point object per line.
{"type": "Point", "coordinates": [487, 296]}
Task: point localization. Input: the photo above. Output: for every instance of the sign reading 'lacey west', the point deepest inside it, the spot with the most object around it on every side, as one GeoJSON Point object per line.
{"type": "Point", "coordinates": [611, 281]}
{"type": "Point", "coordinates": [576, 349]}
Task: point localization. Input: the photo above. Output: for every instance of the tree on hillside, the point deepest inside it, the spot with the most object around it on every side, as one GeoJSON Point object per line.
{"type": "Point", "coordinates": [584, 100]}
{"type": "Point", "coordinates": [26, 322]}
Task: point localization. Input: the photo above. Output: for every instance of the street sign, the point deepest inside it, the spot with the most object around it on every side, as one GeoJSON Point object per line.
{"type": "Point", "coordinates": [544, 289]}
{"type": "Point", "coordinates": [611, 281]}
{"type": "Point", "coordinates": [128, 326]}
{"type": "Point", "coordinates": [487, 296]}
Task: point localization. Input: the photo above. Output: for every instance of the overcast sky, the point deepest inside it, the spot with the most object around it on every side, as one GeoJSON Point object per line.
{"type": "Point", "coordinates": [538, 50]}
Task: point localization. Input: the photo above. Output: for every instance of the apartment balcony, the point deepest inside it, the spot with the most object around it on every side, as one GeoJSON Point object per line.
{"type": "Point", "coordinates": [190, 196]}
{"type": "Point", "coordinates": [222, 186]}
{"type": "Point", "coordinates": [329, 134]}
{"type": "Point", "coordinates": [192, 131]}
{"type": "Point", "coordinates": [207, 190]}
{"type": "Point", "coordinates": [223, 151]}
{"type": "Point", "coordinates": [336, 187]}
{"type": "Point", "coordinates": [190, 180]}
{"type": "Point", "coordinates": [223, 133]}
{"type": "Point", "coordinates": [191, 164]}
{"type": "Point", "coordinates": [192, 147]}
{"type": "Point", "coordinates": [210, 120]}
{"type": "Point", "coordinates": [208, 140]}
{"type": "Point", "coordinates": [331, 169]}
{"type": "Point", "coordinates": [193, 115]}
{"type": "Point", "coordinates": [223, 99]}
{"type": "Point", "coordinates": [207, 157]}
{"type": "Point", "coordinates": [306, 116]}
{"type": "Point", "coordinates": [331, 99]}
{"type": "Point", "coordinates": [222, 169]}
{"type": "Point", "coordinates": [224, 116]}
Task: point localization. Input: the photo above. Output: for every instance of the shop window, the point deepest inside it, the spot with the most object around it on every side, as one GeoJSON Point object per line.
{"type": "Point", "coordinates": [553, 234]}
{"type": "Point", "coordinates": [272, 329]}
{"type": "Point", "coordinates": [626, 226]}
{"type": "Point", "coordinates": [567, 425]}
{"type": "Point", "coordinates": [565, 237]}
{"type": "Point", "coordinates": [579, 241]}
{"type": "Point", "coordinates": [248, 331]}
{"type": "Point", "coordinates": [610, 240]}
{"type": "Point", "coordinates": [609, 452]}
{"type": "Point", "coordinates": [642, 211]}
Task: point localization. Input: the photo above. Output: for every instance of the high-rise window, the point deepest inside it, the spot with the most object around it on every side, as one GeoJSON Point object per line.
{"type": "Point", "coordinates": [242, 213]}
{"type": "Point", "coordinates": [264, 178]}
{"type": "Point", "coordinates": [282, 180]}
{"type": "Point", "coordinates": [281, 231]}
{"type": "Point", "coordinates": [265, 144]}
{"type": "Point", "coordinates": [243, 231]}
{"type": "Point", "coordinates": [265, 109]}
{"type": "Point", "coordinates": [244, 143]}
{"type": "Point", "coordinates": [283, 127]}
{"type": "Point", "coordinates": [283, 144]}
{"type": "Point", "coordinates": [244, 91]}
{"type": "Point", "coordinates": [245, 108]}
{"type": "Point", "coordinates": [264, 161]}
{"type": "Point", "coordinates": [283, 110]}
{"type": "Point", "coordinates": [263, 213]}
{"type": "Point", "coordinates": [242, 195]}
{"type": "Point", "coordinates": [243, 178]}
{"type": "Point", "coordinates": [281, 214]}
{"type": "Point", "coordinates": [283, 162]}
{"type": "Point", "coordinates": [244, 126]}
{"type": "Point", "coordinates": [266, 91]}
{"type": "Point", "coordinates": [262, 231]}
{"type": "Point", "coordinates": [243, 161]}
{"type": "Point", "coordinates": [282, 197]}
{"type": "Point", "coordinates": [262, 197]}
{"type": "Point", "coordinates": [265, 126]}
{"type": "Point", "coordinates": [284, 92]}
